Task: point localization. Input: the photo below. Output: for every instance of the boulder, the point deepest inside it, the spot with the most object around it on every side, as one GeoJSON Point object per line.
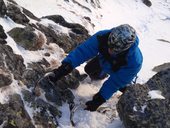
{"type": "Point", "coordinates": [2, 33]}
{"type": "Point", "coordinates": [12, 62]}
{"type": "Point", "coordinates": [32, 74]}
{"type": "Point", "coordinates": [15, 13]}
{"type": "Point", "coordinates": [137, 108]}
{"type": "Point", "coordinates": [3, 36]}
{"type": "Point", "coordinates": [5, 77]}
{"type": "Point", "coordinates": [47, 115]}
{"type": "Point", "coordinates": [60, 91]}
{"type": "Point", "coordinates": [77, 35]}
{"type": "Point", "coordinates": [27, 38]}
{"type": "Point", "coordinates": [147, 2]}
{"type": "Point", "coordinates": [2, 41]}
{"type": "Point", "coordinates": [30, 14]}
{"type": "Point", "coordinates": [3, 8]}
{"type": "Point", "coordinates": [161, 67]}
{"type": "Point", "coordinates": [14, 115]}
{"type": "Point", "coordinates": [19, 14]}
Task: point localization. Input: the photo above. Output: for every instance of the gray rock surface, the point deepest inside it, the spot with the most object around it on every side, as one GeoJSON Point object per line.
{"type": "Point", "coordinates": [14, 115]}
{"type": "Point", "coordinates": [138, 110]}
{"type": "Point", "coordinates": [12, 62]}
{"type": "Point", "coordinates": [5, 77]}
{"type": "Point", "coordinates": [27, 38]}
{"type": "Point", "coordinates": [3, 9]}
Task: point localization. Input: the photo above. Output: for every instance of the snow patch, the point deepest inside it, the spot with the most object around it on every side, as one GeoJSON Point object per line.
{"type": "Point", "coordinates": [155, 94]}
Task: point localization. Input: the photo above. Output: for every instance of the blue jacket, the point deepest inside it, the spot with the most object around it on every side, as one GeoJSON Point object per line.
{"type": "Point", "coordinates": [118, 79]}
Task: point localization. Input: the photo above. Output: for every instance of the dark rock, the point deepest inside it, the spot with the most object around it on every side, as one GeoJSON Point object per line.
{"type": "Point", "coordinates": [58, 92]}
{"type": "Point", "coordinates": [47, 114]}
{"type": "Point", "coordinates": [95, 3]}
{"type": "Point", "coordinates": [87, 18]}
{"type": "Point", "coordinates": [5, 77]}
{"type": "Point", "coordinates": [2, 41]}
{"type": "Point", "coordinates": [2, 33]}
{"type": "Point", "coordinates": [159, 68]}
{"type": "Point", "coordinates": [82, 6]}
{"type": "Point", "coordinates": [3, 9]}
{"type": "Point", "coordinates": [68, 43]}
{"type": "Point", "coordinates": [60, 39]}
{"type": "Point", "coordinates": [47, 54]}
{"type": "Point", "coordinates": [41, 104]}
{"type": "Point", "coordinates": [30, 14]}
{"type": "Point", "coordinates": [137, 110]}
{"type": "Point", "coordinates": [161, 81]}
{"type": "Point", "coordinates": [61, 21]}
{"type": "Point", "coordinates": [27, 38]}
{"type": "Point", "coordinates": [12, 2]}
{"type": "Point", "coordinates": [147, 2]}
{"type": "Point", "coordinates": [14, 115]}
{"type": "Point", "coordinates": [23, 37]}
{"type": "Point", "coordinates": [67, 96]}
{"type": "Point", "coordinates": [32, 74]}
{"type": "Point", "coordinates": [163, 40]}
{"type": "Point", "coordinates": [15, 13]}
{"type": "Point", "coordinates": [52, 93]}
{"type": "Point", "coordinates": [28, 96]}
{"type": "Point", "coordinates": [14, 62]}
{"type": "Point", "coordinates": [44, 62]}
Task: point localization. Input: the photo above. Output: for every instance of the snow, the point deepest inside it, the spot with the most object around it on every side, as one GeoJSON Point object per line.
{"type": "Point", "coordinates": [142, 108]}
{"type": "Point", "coordinates": [150, 23]}
{"type": "Point", "coordinates": [155, 94]}
{"type": "Point", "coordinates": [8, 24]}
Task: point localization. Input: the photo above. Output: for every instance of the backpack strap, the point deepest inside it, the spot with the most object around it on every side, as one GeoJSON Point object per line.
{"type": "Point", "coordinates": [120, 59]}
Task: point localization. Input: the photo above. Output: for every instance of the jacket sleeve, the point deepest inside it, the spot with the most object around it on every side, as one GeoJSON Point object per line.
{"type": "Point", "coordinates": [83, 52]}
{"type": "Point", "coordinates": [118, 80]}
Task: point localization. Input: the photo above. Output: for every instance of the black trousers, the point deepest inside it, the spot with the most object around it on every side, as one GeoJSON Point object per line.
{"type": "Point", "coordinates": [94, 70]}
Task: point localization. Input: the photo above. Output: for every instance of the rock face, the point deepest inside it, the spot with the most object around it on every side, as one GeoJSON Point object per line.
{"type": "Point", "coordinates": [161, 67]}
{"type": "Point", "coordinates": [27, 38]}
{"type": "Point", "coordinates": [77, 35]}
{"type": "Point", "coordinates": [14, 115]}
{"type": "Point", "coordinates": [3, 36]}
{"type": "Point", "coordinates": [16, 15]}
{"type": "Point", "coordinates": [2, 33]}
{"type": "Point", "coordinates": [136, 108]}
{"type": "Point", "coordinates": [59, 92]}
{"type": "Point", "coordinates": [44, 100]}
{"type": "Point", "coordinates": [12, 62]}
{"type": "Point", "coordinates": [2, 8]}
{"type": "Point", "coordinates": [5, 77]}
{"type": "Point", "coordinates": [47, 114]}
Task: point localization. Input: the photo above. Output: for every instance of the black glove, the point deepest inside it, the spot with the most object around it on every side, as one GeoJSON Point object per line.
{"type": "Point", "coordinates": [95, 103]}
{"type": "Point", "coordinates": [60, 72]}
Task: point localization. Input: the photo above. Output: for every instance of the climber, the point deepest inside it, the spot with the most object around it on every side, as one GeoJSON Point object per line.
{"type": "Point", "coordinates": [113, 54]}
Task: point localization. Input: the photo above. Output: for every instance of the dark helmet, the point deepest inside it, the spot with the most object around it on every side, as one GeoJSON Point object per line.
{"type": "Point", "coordinates": [121, 38]}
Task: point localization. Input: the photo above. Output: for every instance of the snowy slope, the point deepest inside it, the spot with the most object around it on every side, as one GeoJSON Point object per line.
{"type": "Point", "coordinates": [151, 24]}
